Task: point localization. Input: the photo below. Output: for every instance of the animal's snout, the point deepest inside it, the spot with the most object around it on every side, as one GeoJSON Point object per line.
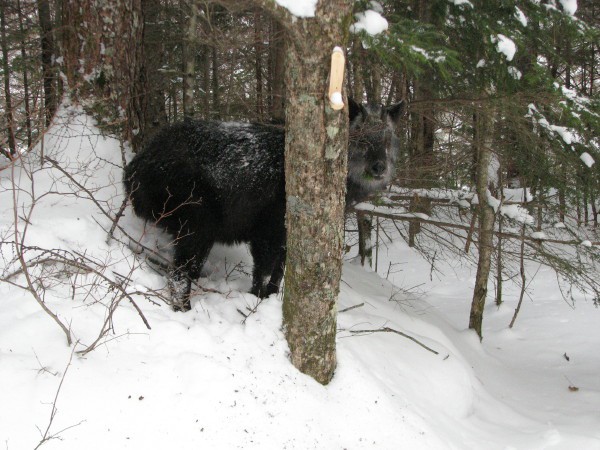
{"type": "Point", "coordinates": [378, 168]}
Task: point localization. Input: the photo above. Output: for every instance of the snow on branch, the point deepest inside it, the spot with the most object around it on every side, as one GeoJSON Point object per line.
{"type": "Point", "coordinates": [568, 135]}
{"type": "Point", "coordinates": [370, 21]}
{"type": "Point", "coordinates": [299, 8]}
{"type": "Point", "coordinates": [461, 2]}
{"type": "Point", "coordinates": [505, 45]}
{"type": "Point", "coordinates": [569, 6]}
{"type": "Point", "coordinates": [587, 159]}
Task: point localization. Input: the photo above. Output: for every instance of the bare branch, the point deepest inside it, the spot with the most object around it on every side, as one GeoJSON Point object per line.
{"type": "Point", "coordinates": [391, 330]}
{"type": "Point", "coordinates": [46, 436]}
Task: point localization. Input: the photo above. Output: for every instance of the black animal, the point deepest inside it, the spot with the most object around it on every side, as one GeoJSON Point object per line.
{"type": "Point", "coordinates": [206, 182]}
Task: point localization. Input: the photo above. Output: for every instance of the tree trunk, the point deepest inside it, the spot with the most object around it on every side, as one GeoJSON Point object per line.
{"type": "Point", "coordinates": [147, 103]}
{"type": "Point", "coordinates": [499, 250]}
{"type": "Point", "coordinates": [315, 170]}
{"type": "Point", "coordinates": [499, 264]}
{"type": "Point", "coordinates": [258, 57]}
{"type": "Point", "coordinates": [562, 199]}
{"type": "Point", "coordinates": [358, 85]}
{"type": "Point", "coordinates": [103, 60]}
{"type": "Point", "coordinates": [12, 143]}
{"type": "Point", "coordinates": [216, 106]}
{"type": "Point", "coordinates": [25, 76]}
{"type": "Point", "coordinates": [152, 60]}
{"type": "Point", "coordinates": [365, 243]}
{"type": "Point", "coordinates": [486, 223]}
{"type": "Point", "coordinates": [276, 75]}
{"type": "Point", "coordinates": [422, 158]}
{"type": "Point", "coordinates": [189, 59]}
{"type": "Point", "coordinates": [357, 89]}
{"type": "Point", "coordinates": [50, 96]}
{"type": "Point", "coordinates": [372, 79]}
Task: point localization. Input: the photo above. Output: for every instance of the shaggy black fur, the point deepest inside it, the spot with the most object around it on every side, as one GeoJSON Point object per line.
{"type": "Point", "coordinates": [206, 182]}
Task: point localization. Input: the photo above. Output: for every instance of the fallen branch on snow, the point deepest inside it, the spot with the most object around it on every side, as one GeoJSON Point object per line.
{"type": "Point", "coordinates": [391, 330]}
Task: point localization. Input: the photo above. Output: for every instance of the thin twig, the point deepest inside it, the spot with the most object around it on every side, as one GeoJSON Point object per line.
{"type": "Point", "coordinates": [523, 279]}
{"type": "Point", "coordinates": [116, 220]}
{"type": "Point", "coordinates": [251, 310]}
{"type": "Point", "coordinates": [47, 436]}
{"type": "Point", "coordinates": [350, 308]}
{"type": "Point", "coordinates": [19, 245]}
{"type": "Point", "coordinates": [391, 330]}
{"type": "Point", "coordinates": [443, 225]}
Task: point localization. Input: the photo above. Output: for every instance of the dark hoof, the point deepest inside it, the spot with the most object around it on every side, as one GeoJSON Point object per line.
{"type": "Point", "coordinates": [182, 306]}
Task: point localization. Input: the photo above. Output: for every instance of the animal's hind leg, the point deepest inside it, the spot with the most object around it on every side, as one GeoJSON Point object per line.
{"type": "Point", "coordinates": [268, 269]}
{"type": "Point", "coordinates": [268, 249]}
{"type": "Point", "coordinates": [190, 255]}
{"type": "Point", "coordinates": [263, 266]}
{"type": "Point", "coordinates": [277, 273]}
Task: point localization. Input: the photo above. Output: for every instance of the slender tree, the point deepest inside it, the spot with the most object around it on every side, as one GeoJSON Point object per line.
{"type": "Point", "coordinates": [189, 58]}
{"type": "Point", "coordinates": [10, 124]}
{"type": "Point", "coordinates": [276, 67]}
{"type": "Point", "coordinates": [26, 87]}
{"type": "Point", "coordinates": [48, 52]}
{"type": "Point", "coordinates": [486, 219]}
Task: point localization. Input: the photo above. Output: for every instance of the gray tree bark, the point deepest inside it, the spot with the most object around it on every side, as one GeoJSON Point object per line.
{"type": "Point", "coordinates": [315, 171]}
{"type": "Point", "coordinates": [276, 78]}
{"type": "Point", "coordinates": [12, 144]}
{"type": "Point", "coordinates": [50, 94]}
{"type": "Point", "coordinates": [25, 76]}
{"type": "Point", "coordinates": [189, 59]}
{"type": "Point", "coordinates": [486, 223]}
{"type": "Point", "coordinates": [104, 39]}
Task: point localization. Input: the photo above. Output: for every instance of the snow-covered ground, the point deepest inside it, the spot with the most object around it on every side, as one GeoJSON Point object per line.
{"type": "Point", "coordinates": [203, 379]}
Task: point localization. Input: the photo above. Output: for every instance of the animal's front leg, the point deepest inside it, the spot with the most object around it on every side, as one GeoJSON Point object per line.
{"type": "Point", "coordinates": [190, 254]}
{"type": "Point", "coordinates": [180, 287]}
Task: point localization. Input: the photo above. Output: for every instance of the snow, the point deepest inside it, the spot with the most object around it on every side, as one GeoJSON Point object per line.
{"type": "Point", "coordinates": [299, 8]}
{"type": "Point", "coordinates": [517, 213]}
{"type": "Point", "coordinates": [505, 45]}
{"type": "Point", "coordinates": [438, 59]}
{"type": "Point", "coordinates": [461, 2]}
{"type": "Point", "coordinates": [204, 379]}
{"type": "Point", "coordinates": [569, 6]}
{"type": "Point", "coordinates": [492, 170]}
{"type": "Point", "coordinates": [370, 21]}
{"type": "Point", "coordinates": [587, 159]}
{"type": "Point", "coordinates": [376, 6]}
{"type": "Point", "coordinates": [514, 72]}
{"type": "Point", "coordinates": [572, 95]}
{"type": "Point", "coordinates": [514, 212]}
{"type": "Point", "coordinates": [567, 135]}
{"type": "Point", "coordinates": [492, 201]}
{"type": "Point", "coordinates": [521, 17]}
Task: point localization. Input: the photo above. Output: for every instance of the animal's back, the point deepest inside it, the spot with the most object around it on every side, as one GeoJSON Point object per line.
{"type": "Point", "coordinates": [232, 170]}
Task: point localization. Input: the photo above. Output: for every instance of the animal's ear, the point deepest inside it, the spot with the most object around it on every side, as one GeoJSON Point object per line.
{"type": "Point", "coordinates": [395, 112]}
{"type": "Point", "coordinates": [357, 112]}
